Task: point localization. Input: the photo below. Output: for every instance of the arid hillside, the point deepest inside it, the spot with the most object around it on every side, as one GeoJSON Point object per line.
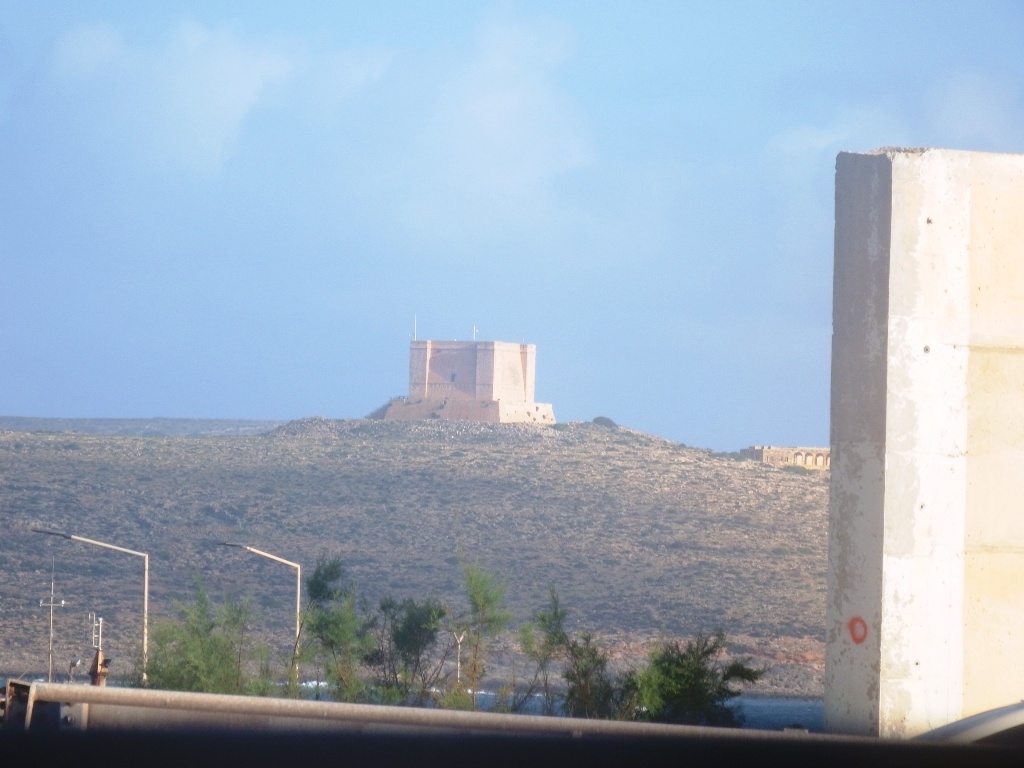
{"type": "Point", "coordinates": [641, 537]}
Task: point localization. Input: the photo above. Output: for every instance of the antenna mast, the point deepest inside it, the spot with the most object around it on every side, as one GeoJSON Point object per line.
{"type": "Point", "coordinates": [51, 604]}
{"type": "Point", "coordinates": [97, 630]}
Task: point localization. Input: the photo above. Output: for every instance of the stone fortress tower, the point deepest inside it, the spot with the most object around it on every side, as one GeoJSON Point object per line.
{"type": "Point", "coordinates": [473, 381]}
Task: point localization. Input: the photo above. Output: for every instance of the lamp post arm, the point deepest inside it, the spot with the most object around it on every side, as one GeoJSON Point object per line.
{"type": "Point", "coordinates": [108, 546]}
{"type": "Point", "coordinates": [298, 578]}
{"type": "Point", "coordinates": [298, 583]}
{"type": "Point", "coordinates": [272, 557]}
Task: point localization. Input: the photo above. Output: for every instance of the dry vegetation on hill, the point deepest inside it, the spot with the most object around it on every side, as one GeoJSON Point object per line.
{"type": "Point", "coordinates": [642, 537]}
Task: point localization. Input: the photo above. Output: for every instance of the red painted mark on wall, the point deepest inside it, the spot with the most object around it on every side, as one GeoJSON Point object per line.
{"type": "Point", "coordinates": [858, 630]}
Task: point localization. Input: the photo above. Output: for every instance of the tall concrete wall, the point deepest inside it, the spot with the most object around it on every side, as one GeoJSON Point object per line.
{"type": "Point", "coordinates": [926, 530]}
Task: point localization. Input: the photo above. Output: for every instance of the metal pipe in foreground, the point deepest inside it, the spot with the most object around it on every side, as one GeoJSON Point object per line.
{"type": "Point", "coordinates": [103, 708]}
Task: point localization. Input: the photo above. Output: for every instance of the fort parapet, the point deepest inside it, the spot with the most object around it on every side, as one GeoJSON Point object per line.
{"type": "Point", "coordinates": [490, 381]}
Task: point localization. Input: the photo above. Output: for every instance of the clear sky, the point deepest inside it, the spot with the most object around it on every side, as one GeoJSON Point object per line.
{"type": "Point", "coordinates": [236, 209]}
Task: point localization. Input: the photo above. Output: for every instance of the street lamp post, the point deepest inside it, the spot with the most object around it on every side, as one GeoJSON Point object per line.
{"type": "Point", "coordinates": [298, 578]}
{"type": "Point", "coordinates": [145, 583]}
{"type": "Point", "coordinates": [458, 664]}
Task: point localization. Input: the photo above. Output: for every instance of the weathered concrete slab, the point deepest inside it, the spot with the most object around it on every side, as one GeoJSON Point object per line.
{"type": "Point", "coordinates": [926, 553]}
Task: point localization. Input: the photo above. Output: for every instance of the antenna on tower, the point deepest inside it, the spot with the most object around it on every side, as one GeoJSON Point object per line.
{"type": "Point", "coordinates": [97, 630]}
{"type": "Point", "coordinates": [414, 327]}
{"type": "Point", "coordinates": [474, 333]}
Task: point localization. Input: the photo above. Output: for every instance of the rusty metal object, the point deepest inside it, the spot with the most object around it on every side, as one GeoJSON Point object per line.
{"type": "Point", "coordinates": [99, 670]}
{"type": "Point", "coordinates": [15, 701]}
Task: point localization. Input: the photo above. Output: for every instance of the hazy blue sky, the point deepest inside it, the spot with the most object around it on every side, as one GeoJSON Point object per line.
{"type": "Point", "coordinates": [220, 209]}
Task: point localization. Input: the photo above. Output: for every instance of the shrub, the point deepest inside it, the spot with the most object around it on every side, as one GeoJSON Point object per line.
{"type": "Point", "coordinates": [590, 687]}
{"type": "Point", "coordinates": [796, 470]}
{"type": "Point", "coordinates": [208, 650]}
{"type": "Point", "coordinates": [688, 684]}
{"type": "Point", "coordinates": [406, 636]}
{"type": "Point", "coordinates": [339, 637]}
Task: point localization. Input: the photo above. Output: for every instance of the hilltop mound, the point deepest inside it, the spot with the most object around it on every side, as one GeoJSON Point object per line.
{"type": "Point", "coordinates": [642, 537]}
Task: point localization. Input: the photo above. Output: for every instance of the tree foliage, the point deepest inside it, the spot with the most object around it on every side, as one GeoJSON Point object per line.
{"type": "Point", "coordinates": [486, 619]}
{"type": "Point", "coordinates": [208, 650]}
{"type": "Point", "coordinates": [338, 636]}
{"type": "Point", "coordinates": [687, 683]}
{"type": "Point", "coordinates": [408, 662]}
{"type": "Point", "coordinates": [543, 642]}
{"type": "Point", "coordinates": [402, 653]}
{"type": "Point", "coordinates": [590, 688]}
{"type": "Point", "coordinates": [682, 683]}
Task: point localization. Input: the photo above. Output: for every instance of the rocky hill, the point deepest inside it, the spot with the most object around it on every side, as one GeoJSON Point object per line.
{"type": "Point", "coordinates": [643, 538]}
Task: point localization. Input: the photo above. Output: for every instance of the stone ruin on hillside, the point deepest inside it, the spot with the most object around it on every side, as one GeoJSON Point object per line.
{"type": "Point", "coordinates": [778, 456]}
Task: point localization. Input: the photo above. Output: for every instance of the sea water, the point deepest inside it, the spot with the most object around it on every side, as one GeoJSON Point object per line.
{"type": "Point", "coordinates": [769, 713]}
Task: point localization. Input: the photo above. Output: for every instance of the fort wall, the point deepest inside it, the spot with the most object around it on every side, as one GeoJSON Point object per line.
{"type": "Point", "coordinates": [778, 456]}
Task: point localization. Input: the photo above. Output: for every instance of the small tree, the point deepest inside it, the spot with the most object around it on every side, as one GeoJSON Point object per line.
{"type": "Point", "coordinates": [339, 636]}
{"type": "Point", "coordinates": [543, 641]}
{"type": "Point", "coordinates": [487, 618]}
{"type": "Point", "coordinates": [592, 690]}
{"type": "Point", "coordinates": [404, 658]}
{"type": "Point", "coordinates": [208, 650]}
{"type": "Point", "coordinates": [688, 684]}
